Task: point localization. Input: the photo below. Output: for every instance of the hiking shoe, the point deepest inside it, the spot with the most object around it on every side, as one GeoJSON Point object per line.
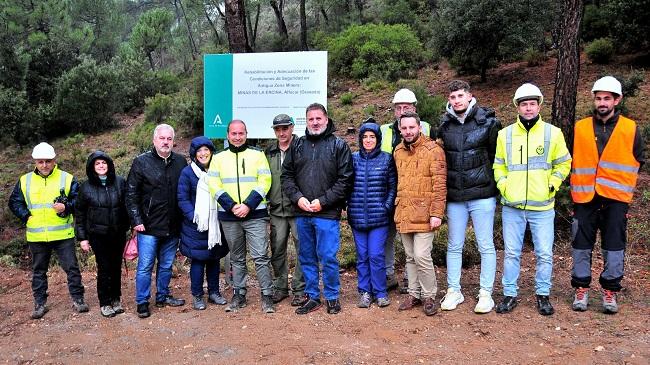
{"type": "Point", "coordinates": [383, 302]}
{"type": "Point", "coordinates": [299, 300]}
{"type": "Point", "coordinates": [170, 301]}
{"type": "Point", "coordinates": [364, 300]}
{"type": "Point", "coordinates": [267, 304]}
{"type": "Point", "coordinates": [429, 306]}
{"type": "Point", "coordinates": [333, 306]}
{"type": "Point", "coordinates": [544, 306]}
{"type": "Point", "coordinates": [117, 306]}
{"type": "Point", "coordinates": [237, 302]}
{"type": "Point", "coordinates": [580, 300]}
{"type": "Point", "coordinates": [279, 296]}
{"type": "Point", "coordinates": [309, 306]}
{"type": "Point", "coordinates": [409, 302]}
{"type": "Point", "coordinates": [39, 311]}
{"type": "Point", "coordinates": [198, 303]}
{"type": "Point", "coordinates": [216, 298]}
{"type": "Point", "coordinates": [143, 310]}
{"type": "Point", "coordinates": [609, 302]}
{"type": "Point", "coordinates": [80, 306]}
{"type": "Point", "coordinates": [485, 302]}
{"type": "Point", "coordinates": [391, 282]}
{"type": "Point", "coordinates": [507, 304]}
{"type": "Point", "coordinates": [107, 311]}
{"type": "Point", "coordinates": [451, 300]}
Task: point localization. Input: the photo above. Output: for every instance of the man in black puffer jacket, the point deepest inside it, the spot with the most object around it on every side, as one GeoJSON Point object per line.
{"type": "Point", "coordinates": [153, 208]}
{"type": "Point", "coordinates": [317, 177]}
{"type": "Point", "coordinates": [469, 134]}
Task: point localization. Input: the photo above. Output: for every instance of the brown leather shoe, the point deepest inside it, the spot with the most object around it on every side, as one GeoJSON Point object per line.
{"type": "Point", "coordinates": [429, 306]}
{"type": "Point", "coordinates": [409, 302]}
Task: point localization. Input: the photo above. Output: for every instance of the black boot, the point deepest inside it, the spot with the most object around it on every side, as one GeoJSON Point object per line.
{"type": "Point", "coordinates": [507, 304]}
{"type": "Point", "coordinates": [544, 306]}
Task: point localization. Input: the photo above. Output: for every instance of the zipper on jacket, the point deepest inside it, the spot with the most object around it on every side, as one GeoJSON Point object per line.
{"type": "Point", "coordinates": [281, 190]}
{"type": "Point", "coordinates": [522, 161]}
{"type": "Point", "coordinates": [110, 204]}
{"type": "Point", "coordinates": [237, 169]}
{"type": "Point", "coordinates": [462, 154]}
{"type": "Point", "coordinates": [365, 191]}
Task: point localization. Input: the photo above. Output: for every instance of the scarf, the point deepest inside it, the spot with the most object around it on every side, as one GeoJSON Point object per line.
{"type": "Point", "coordinates": [205, 209]}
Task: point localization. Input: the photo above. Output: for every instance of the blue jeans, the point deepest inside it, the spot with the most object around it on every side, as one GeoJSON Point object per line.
{"type": "Point", "coordinates": [371, 269]}
{"type": "Point", "coordinates": [482, 213]}
{"type": "Point", "coordinates": [319, 243]}
{"type": "Point", "coordinates": [151, 248]}
{"type": "Point", "coordinates": [542, 229]}
{"type": "Point", "coordinates": [211, 270]}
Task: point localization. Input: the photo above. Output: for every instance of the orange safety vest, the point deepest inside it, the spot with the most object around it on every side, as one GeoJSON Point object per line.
{"type": "Point", "coordinates": [614, 175]}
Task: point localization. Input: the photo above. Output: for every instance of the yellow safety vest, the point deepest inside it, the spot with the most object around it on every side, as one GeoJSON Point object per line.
{"type": "Point", "coordinates": [387, 135]}
{"type": "Point", "coordinates": [238, 174]}
{"type": "Point", "coordinates": [39, 193]}
{"type": "Point", "coordinates": [527, 163]}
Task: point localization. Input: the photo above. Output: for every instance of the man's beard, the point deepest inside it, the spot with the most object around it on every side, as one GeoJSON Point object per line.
{"type": "Point", "coordinates": [603, 113]}
{"type": "Point", "coordinates": [313, 133]}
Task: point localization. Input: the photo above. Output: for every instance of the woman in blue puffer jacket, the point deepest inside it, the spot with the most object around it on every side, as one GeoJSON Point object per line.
{"type": "Point", "coordinates": [370, 209]}
{"type": "Point", "coordinates": [194, 244]}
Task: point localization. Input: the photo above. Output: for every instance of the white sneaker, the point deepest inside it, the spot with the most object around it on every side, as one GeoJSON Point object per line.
{"type": "Point", "coordinates": [451, 300]}
{"type": "Point", "coordinates": [485, 302]}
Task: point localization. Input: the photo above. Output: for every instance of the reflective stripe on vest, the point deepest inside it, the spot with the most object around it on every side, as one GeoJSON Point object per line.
{"type": "Point", "coordinates": [534, 162]}
{"type": "Point", "coordinates": [387, 135]}
{"type": "Point", "coordinates": [612, 175]}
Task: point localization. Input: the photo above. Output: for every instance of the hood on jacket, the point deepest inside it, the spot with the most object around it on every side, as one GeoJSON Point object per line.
{"type": "Point", "coordinates": [93, 178]}
{"type": "Point", "coordinates": [451, 110]}
{"type": "Point", "coordinates": [198, 142]}
{"type": "Point", "coordinates": [372, 127]}
{"type": "Point", "coordinates": [330, 129]}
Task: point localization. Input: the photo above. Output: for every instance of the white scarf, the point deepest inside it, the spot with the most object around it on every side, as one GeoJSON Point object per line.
{"type": "Point", "coordinates": [205, 209]}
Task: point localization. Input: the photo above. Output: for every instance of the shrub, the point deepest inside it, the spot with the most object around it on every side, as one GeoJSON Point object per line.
{"type": "Point", "coordinates": [158, 108]}
{"type": "Point", "coordinates": [430, 108]}
{"type": "Point", "coordinates": [187, 110]}
{"type": "Point", "coordinates": [378, 50]}
{"type": "Point", "coordinates": [13, 107]}
{"type": "Point", "coordinates": [140, 83]}
{"type": "Point", "coordinates": [600, 50]}
{"type": "Point", "coordinates": [534, 57]}
{"type": "Point", "coordinates": [87, 97]}
{"type": "Point", "coordinates": [347, 98]}
{"type": "Point", "coordinates": [595, 22]}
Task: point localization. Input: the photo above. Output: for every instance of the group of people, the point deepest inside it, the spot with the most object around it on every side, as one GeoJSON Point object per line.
{"type": "Point", "coordinates": [406, 177]}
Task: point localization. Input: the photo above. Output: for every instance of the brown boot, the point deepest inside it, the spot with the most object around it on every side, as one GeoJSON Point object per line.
{"type": "Point", "coordinates": [429, 306]}
{"type": "Point", "coordinates": [409, 302]}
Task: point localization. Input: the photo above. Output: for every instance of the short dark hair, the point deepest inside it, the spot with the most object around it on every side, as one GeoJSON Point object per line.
{"type": "Point", "coordinates": [409, 115]}
{"type": "Point", "coordinates": [316, 106]}
{"type": "Point", "coordinates": [235, 121]}
{"type": "Point", "coordinates": [456, 85]}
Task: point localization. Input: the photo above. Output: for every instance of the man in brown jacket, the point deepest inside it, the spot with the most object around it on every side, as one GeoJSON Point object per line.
{"type": "Point", "coordinates": [421, 194]}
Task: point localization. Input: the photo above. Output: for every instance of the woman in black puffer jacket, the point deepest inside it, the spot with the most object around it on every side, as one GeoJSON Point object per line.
{"type": "Point", "coordinates": [101, 222]}
{"type": "Point", "coordinates": [370, 209]}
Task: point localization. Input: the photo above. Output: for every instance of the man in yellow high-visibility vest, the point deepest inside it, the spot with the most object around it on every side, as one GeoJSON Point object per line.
{"type": "Point", "coordinates": [46, 210]}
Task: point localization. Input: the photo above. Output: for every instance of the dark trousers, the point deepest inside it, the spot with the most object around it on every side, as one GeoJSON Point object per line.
{"type": "Point", "coordinates": [610, 217]}
{"type": "Point", "coordinates": [209, 268]}
{"type": "Point", "coordinates": [41, 254]}
{"type": "Point", "coordinates": [108, 251]}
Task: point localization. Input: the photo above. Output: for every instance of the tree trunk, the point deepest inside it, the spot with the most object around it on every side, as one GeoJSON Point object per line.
{"type": "Point", "coordinates": [568, 67]}
{"type": "Point", "coordinates": [303, 27]}
{"type": "Point", "coordinates": [282, 26]}
{"type": "Point", "coordinates": [359, 5]}
{"type": "Point", "coordinates": [151, 61]}
{"type": "Point", "coordinates": [214, 27]}
{"type": "Point", "coordinates": [324, 13]}
{"type": "Point", "coordinates": [252, 28]}
{"type": "Point", "coordinates": [236, 26]}
{"type": "Point", "coordinates": [177, 4]}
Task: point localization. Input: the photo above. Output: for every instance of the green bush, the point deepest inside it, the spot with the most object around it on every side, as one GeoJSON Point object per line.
{"type": "Point", "coordinates": [347, 98]}
{"type": "Point", "coordinates": [87, 97]}
{"type": "Point", "coordinates": [187, 110]}
{"type": "Point", "coordinates": [140, 83]}
{"type": "Point", "coordinates": [600, 50]}
{"type": "Point", "coordinates": [13, 107]}
{"type": "Point", "coordinates": [534, 57]}
{"type": "Point", "coordinates": [13, 252]}
{"type": "Point", "coordinates": [430, 108]}
{"type": "Point", "coordinates": [158, 108]}
{"type": "Point", "coordinates": [375, 50]}
{"type": "Point", "coordinates": [595, 22]}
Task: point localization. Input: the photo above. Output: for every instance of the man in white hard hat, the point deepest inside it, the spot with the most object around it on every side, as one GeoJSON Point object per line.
{"type": "Point", "coordinates": [530, 164]}
{"type": "Point", "coordinates": [404, 101]}
{"type": "Point", "coordinates": [608, 151]}
{"type": "Point", "coordinates": [47, 209]}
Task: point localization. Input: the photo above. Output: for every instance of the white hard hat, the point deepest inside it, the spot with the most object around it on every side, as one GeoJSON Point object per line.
{"type": "Point", "coordinates": [405, 96]}
{"type": "Point", "coordinates": [608, 83]}
{"type": "Point", "coordinates": [528, 91]}
{"type": "Point", "coordinates": [43, 151]}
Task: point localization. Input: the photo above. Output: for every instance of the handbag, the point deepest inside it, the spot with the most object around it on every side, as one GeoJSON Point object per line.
{"type": "Point", "coordinates": [131, 248]}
